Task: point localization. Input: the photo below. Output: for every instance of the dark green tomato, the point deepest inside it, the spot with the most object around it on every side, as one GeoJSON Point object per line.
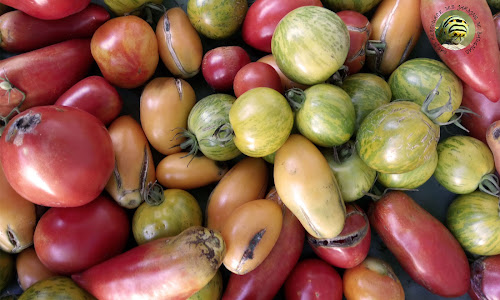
{"type": "Point", "coordinates": [326, 116]}
{"type": "Point", "coordinates": [367, 92]}
{"type": "Point", "coordinates": [217, 19]}
{"type": "Point", "coordinates": [416, 78]}
{"type": "Point", "coordinates": [396, 138]}
{"type": "Point", "coordinates": [179, 211]}
{"type": "Point", "coordinates": [208, 120]}
{"type": "Point", "coordinates": [360, 6]}
{"type": "Point", "coordinates": [412, 179]}
{"type": "Point", "coordinates": [354, 177]}
{"type": "Point", "coordinates": [6, 269]}
{"type": "Point", "coordinates": [310, 44]}
{"type": "Point", "coordinates": [474, 221]}
{"type": "Point", "coordinates": [55, 288]}
{"type": "Point", "coordinates": [463, 161]}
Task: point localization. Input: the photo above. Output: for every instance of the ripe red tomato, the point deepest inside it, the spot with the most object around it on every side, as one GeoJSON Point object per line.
{"type": "Point", "coordinates": [126, 51]}
{"type": "Point", "coordinates": [313, 279]}
{"type": "Point", "coordinates": [256, 74]}
{"type": "Point", "coordinates": [57, 156]}
{"type": "Point", "coordinates": [73, 239]}
{"type": "Point", "coordinates": [220, 65]}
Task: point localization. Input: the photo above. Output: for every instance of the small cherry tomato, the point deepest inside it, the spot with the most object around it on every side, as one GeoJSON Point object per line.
{"type": "Point", "coordinates": [256, 74]}
{"type": "Point", "coordinates": [220, 65]}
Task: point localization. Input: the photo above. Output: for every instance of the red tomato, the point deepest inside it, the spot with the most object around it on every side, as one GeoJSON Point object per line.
{"type": "Point", "coordinates": [485, 278]}
{"type": "Point", "coordinates": [220, 65]}
{"type": "Point", "coordinates": [73, 239]}
{"type": "Point", "coordinates": [126, 51]}
{"type": "Point", "coordinates": [313, 279]}
{"type": "Point", "coordinates": [262, 18]}
{"type": "Point", "coordinates": [359, 32]}
{"type": "Point", "coordinates": [94, 95]}
{"type": "Point", "coordinates": [256, 74]}
{"type": "Point", "coordinates": [57, 156]}
{"type": "Point", "coordinates": [48, 9]}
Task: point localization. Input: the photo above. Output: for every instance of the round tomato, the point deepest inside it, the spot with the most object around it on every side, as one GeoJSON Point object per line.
{"type": "Point", "coordinates": [57, 156]}
{"type": "Point", "coordinates": [126, 51]}
{"type": "Point", "coordinates": [220, 65]}
{"type": "Point", "coordinates": [256, 74]}
{"type": "Point", "coordinates": [313, 279]}
{"type": "Point", "coordinates": [70, 240]}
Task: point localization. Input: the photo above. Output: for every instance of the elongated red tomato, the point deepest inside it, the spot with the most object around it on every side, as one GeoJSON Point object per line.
{"type": "Point", "coordinates": [43, 75]}
{"type": "Point", "coordinates": [57, 156]}
{"type": "Point", "coordinates": [48, 9]}
{"type": "Point", "coordinates": [423, 246]}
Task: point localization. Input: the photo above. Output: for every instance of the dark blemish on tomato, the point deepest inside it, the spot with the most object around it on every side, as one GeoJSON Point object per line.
{"type": "Point", "coordinates": [24, 125]}
{"type": "Point", "coordinates": [209, 243]}
{"type": "Point", "coordinates": [477, 271]}
{"type": "Point", "coordinates": [178, 85]}
{"type": "Point", "coordinates": [249, 252]}
{"type": "Point", "coordinates": [12, 238]}
{"type": "Point", "coordinates": [496, 133]}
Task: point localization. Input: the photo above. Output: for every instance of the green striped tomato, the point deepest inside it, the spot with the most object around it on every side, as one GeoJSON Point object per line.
{"type": "Point", "coordinates": [474, 221]}
{"type": "Point", "coordinates": [396, 138]}
{"type": "Point", "coordinates": [367, 91]}
{"type": "Point", "coordinates": [360, 6]}
{"type": "Point", "coordinates": [412, 179]}
{"type": "Point", "coordinates": [462, 163]}
{"type": "Point", "coordinates": [310, 44]}
{"type": "Point", "coordinates": [326, 116]}
{"type": "Point", "coordinates": [217, 19]}
{"type": "Point", "coordinates": [416, 78]}
{"type": "Point", "coordinates": [354, 177]}
{"type": "Point", "coordinates": [262, 120]}
{"type": "Point", "coordinates": [208, 120]}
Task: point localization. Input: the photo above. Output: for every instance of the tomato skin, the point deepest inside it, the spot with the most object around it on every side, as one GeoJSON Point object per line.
{"type": "Point", "coordinates": [313, 279]}
{"type": "Point", "coordinates": [70, 240]}
{"type": "Point", "coordinates": [496, 18]}
{"type": "Point", "coordinates": [359, 32]}
{"type": "Point", "coordinates": [220, 65]}
{"type": "Point", "coordinates": [256, 74]}
{"type": "Point", "coordinates": [285, 81]}
{"type": "Point", "coordinates": [30, 269]}
{"type": "Point", "coordinates": [59, 66]}
{"type": "Point", "coordinates": [262, 18]}
{"type": "Point", "coordinates": [64, 157]}
{"type": "Point", "coordinates": [48, 10]}
{"type": "Point", "coordinates": [95, 95]}
{"type": "Point", "coordinates": [423, 246]}
{"type": "Point", "coordinates": [125, 61]}
{"type": "Point", "coordinates": [485, 278]}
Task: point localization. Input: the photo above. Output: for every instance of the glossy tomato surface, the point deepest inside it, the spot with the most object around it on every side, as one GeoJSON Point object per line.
{"type": "Point", "coordinates": [256, 74]}
{"type": "Point", "coordinates": [220, 65]}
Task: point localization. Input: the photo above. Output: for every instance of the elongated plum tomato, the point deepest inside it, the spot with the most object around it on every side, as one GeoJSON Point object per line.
{"type": "Point", "coordinates": [126, 51]}
{"type": "Point", "coordinates": [57, 156]}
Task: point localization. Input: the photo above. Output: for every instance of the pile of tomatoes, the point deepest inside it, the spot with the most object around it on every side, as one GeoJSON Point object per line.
{"type": "Point", "coordinates": [249, 150]}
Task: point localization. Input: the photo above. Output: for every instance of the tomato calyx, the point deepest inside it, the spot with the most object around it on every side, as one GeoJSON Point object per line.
{"type": "Point", "coordinates": [153, 194]}
{"type": "Point", "coordinates": [376, 48]}
{"type": "Point", "coordinates": [343, 152]}
{"type": "Point", "coordinates": [295, 98]}
{"type": "Point", "coordinates": [489, 184]}
{"type": "Point", "coordinates": [23, 125]}
{"type": "Point", "coordinates": [7, 86]}
{"type": "Point", "coordinates": [147, 10]}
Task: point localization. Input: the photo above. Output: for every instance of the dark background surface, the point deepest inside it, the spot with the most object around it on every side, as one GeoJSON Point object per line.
{"type": "Point", "coordinates": [431, 196]}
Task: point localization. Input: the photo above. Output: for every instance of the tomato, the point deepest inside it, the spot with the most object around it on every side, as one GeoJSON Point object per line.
{"type": "Point", "coordinates": [396, 137]}
{"type": "Point", "coordinates": [179, 44]}
{"type": "Point", "coordinates": [178, 211]}
{"type": "Point", "coordinates": [20, 32]}
{"type": "Point", "coordinates": [7, 270]}
{"type": "Point", "coordinates": [256, 74]}
{"type": "Point", "coordinates": [126, 51]}
{"type": "Point", "coordinates": [212, 290]}
{"type": "Point", "coordinates": [123, 7]}
{"type": "Point", "coordinates": [164, 109]}
{"type": "Point", "coordinates": [58, 287]}
{"type": "Point", "coordinates": [351, 246]}
{"type": "Point", "coordinates": [367, 91]}
{"type": "Point", "coordinates": [397, 26]}
{"type": "Point", "coordinates": [416, 78]}
{"type": "Point", "coordinates": [215, 19]}
{"type": "Point", "coordinates": [189, 260]}
{"type": "Point", "coordinates": [422, 245]}
{"type": "Point", "coordinates": [479, 46]}
{"type": "Point", "coordinates": [485, 275]}
{"type": "Point", "coordinates": [285, 81]}
{"type": "Point", "coordinates": [220, 65]}
{"type": "Point", "coordinates": [362, 6]}
{"type": "Point", "coordinates": [310, 44]}
{"type": "Point", "coordinates": [209, 130]}
{"type": "Point", "coordinates": [324, 114]}
{"type": "Point", "coordinates": [30, 269]}
{"type": "Point", "coordinates": [492, 137]}
{"type": "Point", "coordinates": [372, 279]}
{"type": "Point", "coordinates": [95, 95]}
{"type": "Point", "coordinates": [57, 156]}
{"type": "Point", "coordinates": [70, 240]}
{"type": "Point", "coordinates": [264, 282]}
{"type": "Point", "coordinates": [307, 186]}
{"type": "Point", "coordinates": [313, 279]}
{"type": "Point", "coordinates": [49, 9]}
{"type": "Point", "coordinates": [464, 164]}
{"type": "Point", "coordinates": [262, 18]}
{"type": "Point", "coordinates": [473, 219]}
{"type": "Point", "coordinates": [359, 32]}
{"type": "Point", "coordinates": [262, 121]}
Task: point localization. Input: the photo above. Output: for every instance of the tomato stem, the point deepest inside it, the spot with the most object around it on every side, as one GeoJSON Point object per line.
{"type": "Point", "coordinates": [489, 184]}
{"type": "Point", "coordinates": [376, 48]}
{"type": "Point", "coordinates": [435, 113]}
{"type": "Point", "coordinates": [343, 152]}
{"type": "Point", "coordinates": [296, 98]}
{"type": "Point", "coordinates": [338, 77]}
{"type": "Point", "coordinates": [153, 194]}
